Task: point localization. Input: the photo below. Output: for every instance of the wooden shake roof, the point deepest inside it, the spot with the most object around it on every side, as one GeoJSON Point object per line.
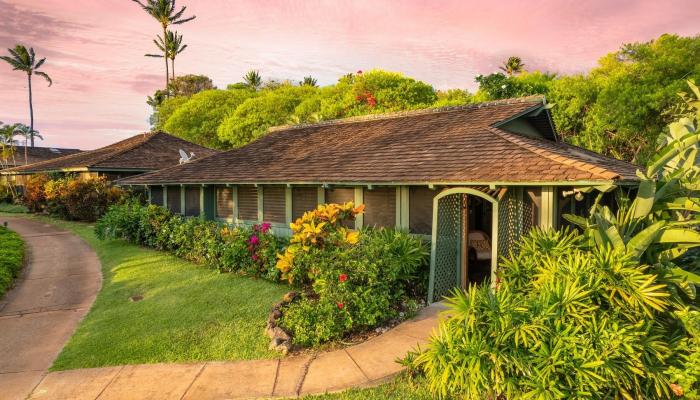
{"type": "Point", "coordinates": [143, 152]}
{"type": "Point", "coordinates": [35, 154]}
{"type": "Point", "coordinates": [467, 144]}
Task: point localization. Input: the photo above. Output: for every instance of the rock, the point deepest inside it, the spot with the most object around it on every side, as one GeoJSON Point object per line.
{"type": "Point", "coordinates": [284, 348]}
{"type": "Point", "coordinates": [289, 297]}
{"type": "Point", "coordinates": [136, 298]}
{"type": "Point", "coordinates": [270, 329]}
{"type": "Point", "coordinates": [276, 314]}
{"type": "Point", "coordinates": [277, 306]}
{"type": "Point", "coordinates": [279, 333]}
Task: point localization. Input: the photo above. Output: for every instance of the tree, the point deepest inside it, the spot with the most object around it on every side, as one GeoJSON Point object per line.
{"type": "Point", "coordinates": [164, 109]}
{"type": "Point", "coordinates": [28, 134]}
{"type": "Point", "coordinates": [253, 79]}
{"type": "Point", "coordinates": [512, 66]}
{"type": "Point", "coordinates": [309, 81]}
{"type": "Point", "coordinates": [175, 47]}
{"type": "Point", "coordinates": [164, 11]}
{"type": "Point", "coordinates": [499, 86]}
{"type": "Point", "coordinates": [188, 85]}
{"type": "Point", "coordinates": [24, 60]}
{"type": "Point", "coordinates": [198, 119]}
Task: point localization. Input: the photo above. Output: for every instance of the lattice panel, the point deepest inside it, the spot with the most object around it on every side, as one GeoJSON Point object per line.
{"type": "Point", "coordinates": [515, 218]}
{"type": "Point", "coordinates": [447, 248]}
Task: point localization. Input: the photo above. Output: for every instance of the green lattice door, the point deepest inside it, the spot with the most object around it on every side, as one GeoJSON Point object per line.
{"type": "Point", "coordinates": [447, 247]}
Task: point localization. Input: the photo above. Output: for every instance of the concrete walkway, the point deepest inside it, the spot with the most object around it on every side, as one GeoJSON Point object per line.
{"type": "Point", "coordinates": [366, 364]}
{"type": "Point", "coordinates": [54, 292]}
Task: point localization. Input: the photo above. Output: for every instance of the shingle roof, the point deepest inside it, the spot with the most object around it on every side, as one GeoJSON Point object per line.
{"type": "Point", "coordinates": [143, 152]}
{"type": "Point", "coordinates": [35, 154]}
{"type": "Point", "coordinates": [458, 144]}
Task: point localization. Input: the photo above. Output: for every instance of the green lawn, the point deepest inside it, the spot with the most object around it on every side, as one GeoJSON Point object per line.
{"type": "Point", "coordinates": [399, 388]}
{"type": "Point", "coordinates": [12, 208]}
{"type": "Point", "coordinates": [188, 312]}
{"type": "Point", "coordinates": [11, 257]}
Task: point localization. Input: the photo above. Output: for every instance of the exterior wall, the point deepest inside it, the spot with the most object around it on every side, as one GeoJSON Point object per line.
{"type": "Point", "coordinates": [412, 206]}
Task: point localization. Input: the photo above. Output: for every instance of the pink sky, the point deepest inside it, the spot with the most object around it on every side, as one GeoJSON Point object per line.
{"type": "Point", "coordinates": [95, 49]}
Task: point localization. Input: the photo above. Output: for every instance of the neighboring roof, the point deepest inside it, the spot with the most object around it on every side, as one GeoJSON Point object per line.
{"type": "Point", "coordinates": [35, 154]}
{"type": "Point", "coordinates": [449, 145]}
{"type": "Point", "coordinates": [143, 152]}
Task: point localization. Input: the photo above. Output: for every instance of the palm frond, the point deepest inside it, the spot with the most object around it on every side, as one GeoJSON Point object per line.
{"type": "Point", "coordinates": [45, 76]}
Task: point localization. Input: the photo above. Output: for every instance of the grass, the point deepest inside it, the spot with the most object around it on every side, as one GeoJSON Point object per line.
{"type": "Point", "coordinates": [188, 312]}
{"type": "Point", "coordinates": [399, 388]}
{"type": "Point", "coordinates": [12, 208]}
{"type": "Point", "coordinates": [11, 257]}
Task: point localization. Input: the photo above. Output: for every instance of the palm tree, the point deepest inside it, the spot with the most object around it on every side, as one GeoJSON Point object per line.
{"type": "Point", "coordinates": [253, 79]}
{"type": "Point", "coordinates": [27, 133]}
{"type": "Point", "coordinates": [25, 60]}
{"type": "Point", "coordinates": [175, 47]}
{"type": "Point", "coordinates": [308, 81]}
{"type": "Point", "coordinates": [513, 66]}
{"type": "Point", "coordinates": [164, 12]}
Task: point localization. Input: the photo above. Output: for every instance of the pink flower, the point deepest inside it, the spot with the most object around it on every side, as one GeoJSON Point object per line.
{"type": "Point", "coordinates": [254, 240]}
{"type": "Point", "coordinates": [255, 257]}
{"type": "Point", "coordinates": [340, 306]}
{"type": "Point", "coordinates": [343, 278]}
{"type": "Point", "coordinates": [265, 227]}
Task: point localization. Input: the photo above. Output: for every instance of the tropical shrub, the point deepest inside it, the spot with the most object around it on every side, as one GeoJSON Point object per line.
{"type": "Point", "coordinates": [247, 250]}
{"type": "Point", "coordinates": [352, 280]}
{"type": "Point", "coordinates": [11, 257]}
{"type": "Point", "coordinates": [80, 199]}
{"type": "Point", "coordinates": [33, 196]}
{"type": "Point", "coordinates": [610, 312]}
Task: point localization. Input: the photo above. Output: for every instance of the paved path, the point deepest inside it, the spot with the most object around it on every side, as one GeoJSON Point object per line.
{"type": "Point", "coordinates": [366, 364]}
{"type": "Point", "coordinates": [53, 293]}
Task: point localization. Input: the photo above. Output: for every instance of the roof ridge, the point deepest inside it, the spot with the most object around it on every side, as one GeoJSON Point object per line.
{"type": "Point", "coordinates": [578, 164]}
{"type": "Point", "coordinates": [408, 113]}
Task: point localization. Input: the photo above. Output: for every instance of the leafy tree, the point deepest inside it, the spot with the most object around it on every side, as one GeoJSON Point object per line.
{"type": "Point", "coordinates": [198, 119]}
{"type": "Point", "coordinates": [165, 109]}
{"type": "Point", "coordinates": [187, 85]}
{"type": "Point", "coordinates": [453, 97]}
{"type": "Point", "coordinates": [164, 11]}
{"type": "Point", "coordinates": [513, 66]}
{"type": "Point", "coordinates": [24, 60]}
{"type": "Point", "coordinates": [619, 106]}
{"type": "Point", "coordinates": [499, 86]}
{"type": "Point", "coordinates": [253, 79]}
{"type": "Point", "coordinates": [309, 81]}
{"type": "Point", "coordinates": [255, 115]}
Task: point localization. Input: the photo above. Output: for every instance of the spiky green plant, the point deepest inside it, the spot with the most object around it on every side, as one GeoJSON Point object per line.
{"type": "Point", "coordinates": [512, 66]}
{"type": "Point", "coordinates": [253, 79]}
{"type": "Point", "coordinates": [170, 46]}
{"type": "Point", "coordinates": [24, 60]}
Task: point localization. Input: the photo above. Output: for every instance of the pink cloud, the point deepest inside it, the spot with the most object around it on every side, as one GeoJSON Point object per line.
{"type": "Point", "coordinates": [95, 49]}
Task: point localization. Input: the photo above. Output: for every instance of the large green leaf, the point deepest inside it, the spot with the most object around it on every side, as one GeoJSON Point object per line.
{"type": "Point", "coordinates": [644, 201]}
{"type": "Point", "coordinates": [689, 276]}
{"type": "Point", "coordinates": [679, 235]}
{"type": "Point", "coordinates": [672, 151]}
{"type": "Point", "coordinates": [641, 241]}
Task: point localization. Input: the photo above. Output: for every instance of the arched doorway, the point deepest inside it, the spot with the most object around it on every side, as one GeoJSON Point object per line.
{"type": "Point", "coordinates": [464, 240]}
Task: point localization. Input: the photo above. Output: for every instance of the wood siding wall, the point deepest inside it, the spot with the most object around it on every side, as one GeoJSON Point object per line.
{"type": "Point", "coordinates": [192, 205]}
{"type": "Point", "coordinates": [380, 207]}
{"type": "Point", "coordinates": [157, 195]}
{"type": "Point", "coordinates": [303, 199]}
{"type": "Point", "coordinates": [224, 202]}
{"type": "Point", "coordinates": [174, 199]}
{"type": "Point", "coordinates": [274, 209]}
{"type": "Point", "coordinates": [420, 209]}
{"type": "Point", "coordinates": [340, 195]}
{"type": "Point", "coordinates": [247, 203]}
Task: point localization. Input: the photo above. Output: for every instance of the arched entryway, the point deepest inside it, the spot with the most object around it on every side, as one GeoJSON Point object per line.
{"type": "Point", "coordinates": [464, 240]}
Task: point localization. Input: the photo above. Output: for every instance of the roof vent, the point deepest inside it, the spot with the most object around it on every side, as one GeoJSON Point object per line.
{"type": "Point", "coordinates": [55, 151]}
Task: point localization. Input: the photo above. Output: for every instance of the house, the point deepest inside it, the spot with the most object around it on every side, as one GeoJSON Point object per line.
{"type": "Point", "coordinates": [33, 155]}
{"type": "Point", "coordinates": [471, 179]}
{"type": "Point", "coordinates": [138, 154]}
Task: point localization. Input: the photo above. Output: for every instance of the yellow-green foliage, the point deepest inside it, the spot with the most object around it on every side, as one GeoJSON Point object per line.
{"type": "Point", "coordinates": [11, 257]}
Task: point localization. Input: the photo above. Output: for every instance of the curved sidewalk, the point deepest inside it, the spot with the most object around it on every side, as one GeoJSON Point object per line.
{"type": "Point", "coordinates": [54, 291]}
{"type": "Point", "coordinates": [365, 364]}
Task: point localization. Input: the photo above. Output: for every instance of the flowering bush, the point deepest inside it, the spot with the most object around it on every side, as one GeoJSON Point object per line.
{"type": "Point", "coordinates": [34, 197]}
{"type": "Point", "coordinates": [353, 280]}
{"type": "Point", "coordinates": [252, 251]}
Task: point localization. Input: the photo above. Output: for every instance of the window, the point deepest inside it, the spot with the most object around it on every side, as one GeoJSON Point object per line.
{"type": "Point", "coordinates": [248, 203]}
{"type": "Point", "coordinates": [192, 201]}
{"type": "Point", "coordinates": [340, 195]}
{"type": "Point", "coordinates": [303, 199]}
{"type": "Point", "coordinates": [420, 209]}
{"type": "Point", "coordinates": [157, 195]}
{"type": "Point", "coordinates": [174, 199]}
{"type": "Point", "coordinates": [380, 207]}
{"type": "Point", "coordinates": [224, 202]}
{"type": "Point", "coordinates": [274, 209]}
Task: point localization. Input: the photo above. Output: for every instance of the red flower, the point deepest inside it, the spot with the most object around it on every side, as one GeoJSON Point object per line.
{"type": "Point", "coordinates": [359, 72]}
{"type": "Point", "coordinates": [340, 306]}
{"type": "Point", "coordinates": [342, 278]}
